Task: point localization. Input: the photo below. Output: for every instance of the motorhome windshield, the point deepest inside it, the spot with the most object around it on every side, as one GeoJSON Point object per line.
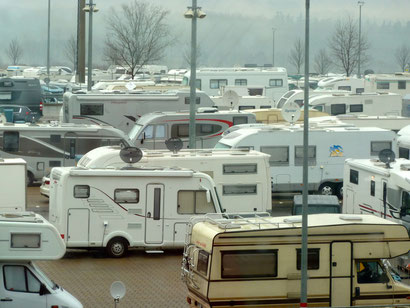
{"type": "Point", "coordinates": [135, 131]}
{"type": "Point", "coordinates": [51, 284]}
{"type": "Point", "coordinates": [312, 209]}
{"type": "Point", "coordinates": [222, 146]}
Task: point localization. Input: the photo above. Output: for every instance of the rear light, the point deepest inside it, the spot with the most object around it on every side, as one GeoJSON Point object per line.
{"type": "Point", "coordinates": [188, 299]}
{"type": "Point", "coordinates": [41, 106]}
{"type": "Point", "coordinates": [27, 112]}
{"type": "Point", "coordinates": [62, 236]}
{"type": "Point", "coordinates": [54, 306]}
{"type": "Point", "coordinates": [47, 182]}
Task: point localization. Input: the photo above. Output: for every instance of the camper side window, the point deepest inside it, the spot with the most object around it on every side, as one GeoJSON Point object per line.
{"type": "Point", "coordinates": [345, 88]}
{"type": "Point", "coordinates": [180, 131]}
{"type": "Point", "coordinates": [275, 82]}
{"type": "Point", "coordinates": [405, 204]}
{"type": "Point", "coordinates": [202, 266]}
{"type": "Point", "coordinates": [241, 82]}
{"type": "Point", "coordinates": [370, 272]}
{"type": "Point", "coordinates": [197, 100]}
{"type": "Point", "coordinates": [217, 83]}
{"type": "Point", "coordinates": [126, 195]}
{"type": "Point", "coordinates": [383, 85]}
{"type": "Point", "coordinates": [81, 191]}
{"type": "Point", "coordinates": [194, 202]}
{"type": "Point", "coordinates": [18, 278]}
{"type": "Point", "coordinates": [249, 263]}
{"type": "Point", "coordinates": [92, 109]}
{"type": "Point", "coordinates": [402, 84]}
{"type": "Point", "coordinates": [336, 109]}
{"type": "Point", "coordinates": [25, 240]}
{"type": "Point", "coordinates": [279, 156]}
{"type": "Point", "coordinates": [377, 146]}
{"type": "Point", "coordinates": [404, 153]}
{"type": "Point", "coordinates": [311, 155]}
{"type": "Point", "coordinates": [239, 189]}
{"type": "Point", "coordinates": [240, 168]}
{"type": "Point", "coordinates": [240, 120]}
{"type": "Point", "coordinates": [372, 188]}
{"type": "Point", "coordinates": [356, 108]}
{"type": "Point", "coordinates": [354, 176]}
{"type": "Point", "coordinates": [11, 141]}
{"type": "Point", "coordinates": [313, 258]}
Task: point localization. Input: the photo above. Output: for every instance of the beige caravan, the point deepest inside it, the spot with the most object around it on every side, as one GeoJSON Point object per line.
{"type": "Point", "coordinates": [255, 262]}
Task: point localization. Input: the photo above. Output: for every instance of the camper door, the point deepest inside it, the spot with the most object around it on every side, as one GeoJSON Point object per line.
{"type": "Point", "coordinates": [341, 274]}
{"type": "Point", "coordinates": [154, 214]}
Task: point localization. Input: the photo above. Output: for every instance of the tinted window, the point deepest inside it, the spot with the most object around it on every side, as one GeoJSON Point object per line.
{"type": "Point", "coordinates": [92, 109]}
{"type": "Point", "coordinates": [313, 258]}
{"type": "Point", "coordinates": [81, 191]}
{"type": "Point", "coordinates": [336, 109]}
{"type": "Point", "coordinates": [372, 188]}
{"type": "Point", "coordinates": [356, 108]}
{"type": "Point", "coordinates": [311, 155]}
{"type": "Point", "coordinates": [279, 156]}
{"type": "Point", "coordinates": [11, 141]}
{"type": "Point", "coordinates": [240, 120]}
{"type": "Point", "coordinates": [383, 85]}
{"type": "Point", "coordinates": [239, 189]}
{"type": "Point", "coordinates": [404, 153]}
{"type": "Point", "coordinates": [377, 146]}
{"type": "Point", "coordinates": [344, 88]}
{"type": "Point", "coordinates": [402, 85]}
{"type": "Point", "coordinates": [354, 176]}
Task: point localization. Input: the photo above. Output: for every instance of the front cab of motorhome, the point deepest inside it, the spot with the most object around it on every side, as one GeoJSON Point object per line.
{"type": "Point", "coordinates": [25, 237]}
{"type": "Point", "coordinates": [256, 262]}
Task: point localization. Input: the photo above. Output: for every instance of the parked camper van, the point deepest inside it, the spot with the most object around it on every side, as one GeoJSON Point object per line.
{"type": "Point", "coordinates": [372, 104]}
{"type": "Point", "coordinates": [123, 110]}
{"type": "Point", "coordinates": [44, 146]}
{"type": "Point", "coordinates": [21, 91]}
{"type": "Point", "coordinates": [13, 190]}
{"type": "Point", "coordinates": [25, 237]}
{"type": "Point", "coordinates": [256, 262]}
{"type": "Point", "coordinates": [372, 187]}
{"type": "Point", "coordinates": [396, 83]}
{"type": "Point", "coordinates": [242, 177]}
{"type": "Point", "coordinates": [328, 149]}
{"type": "Point", "coordinates": [153, 129]}
{"type": "Point", "coordinates": [341, 83]}
{"type": "Point", "coordinates": [210, 80]}
{"type": "Point", "coordinates": [116, 208]}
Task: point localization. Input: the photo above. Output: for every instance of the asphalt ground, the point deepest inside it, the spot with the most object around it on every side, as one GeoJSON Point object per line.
{"type": "Point", "coordinates": [151, 280]}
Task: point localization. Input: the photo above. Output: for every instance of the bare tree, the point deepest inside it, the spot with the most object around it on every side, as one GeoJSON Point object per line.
{"type": "Point", "coordinates": [137, 35]}
{"type": "Point", "coordinates": [344, 46]}
{"type": "Point", "coordinates": [14, 51]}
{"type": "Point", "coordinates": [402, 56]}
{"type": "Point", "coordinates": [70, 50]}
{"type": "Point", "coordinates": [322, 62]}
{"type": "Point", "coordinates": [297, 55]}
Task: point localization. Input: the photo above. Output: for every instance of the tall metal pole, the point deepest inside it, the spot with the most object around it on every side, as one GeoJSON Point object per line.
{"type": "Point", "coordinates": [273, 47]}
{"type": "Point", "coordinates": [304, 250]}
{"type": "Point", "coordinates": [90, 46]}
{"type": "Point", "coordinates": [360, 3]}
{"type": "Point", "coordinates": [81, 42]}
{"type": "Point", "coordinates": [192, 97]}
{"type": "Point", "coordinates": [48, 42]}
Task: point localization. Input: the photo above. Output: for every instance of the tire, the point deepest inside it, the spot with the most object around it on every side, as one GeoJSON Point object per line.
{"type": "Point", "coordinates": [117, 247]}
{"type": "Point", "coordinates": [327, 189]}
{"type": "Point", "coordinates": [29, 179]}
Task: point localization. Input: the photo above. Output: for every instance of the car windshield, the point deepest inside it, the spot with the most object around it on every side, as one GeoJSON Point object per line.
{"type": "Point", "coordinates": [318, 209]}
{"type": "Point", "coordinates": [45, 279]}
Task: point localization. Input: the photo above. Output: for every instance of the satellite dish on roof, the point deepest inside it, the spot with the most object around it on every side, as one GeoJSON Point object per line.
{"type": "Point", "coordinates": [230, 98]}
{"type": "Point", "coordinates": [131, 155]}
{"type": "Point", "coordinates": [130, 86]}
{"type": "Point", "coordinates": [117, 291]}
{"type": "Point", "coordinates": [174, 144]}
{"type": "Point", "coordinates": [387, 156]}
{"type": "Point", "coordinates": [291, 112]}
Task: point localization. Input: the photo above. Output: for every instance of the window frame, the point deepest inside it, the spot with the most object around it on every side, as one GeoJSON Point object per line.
{"type": "Point", "coordinates": [383, 85]}
{"type": "Point", "coordinates": [239, 192]}
{"type": "Point", "coordinates": [26, 282]}
{"type": "Point", "coordinates": [299, 160]}
{"type": "Point", "coordinates": [97, 109]}
{"type": "Point", "coordinates": [374, 143]}
{"type": "Point", "coordinates": [352, 108]}
{"type": "Point", "coordinates": [241, 82]}
{"type": "Point", "coordinates": [354, 176]}
{"type": "Point", "coordinates": [401, 85]}
{"type": "Point", "coordinates": [87, 187]}
{"type": "Point", "coordinates": [119, 190]}
{"type": "Point", "coordinates": [276, 163]}
{"type": "Point", "coordinates": [333, 106]}
{"type": "Point", "coordinates": [276, 82]}
{"type": "Point", "coordinates": [218, 83]}
{"type": "Point", "coordinates": [195, 211]}
{"type": "Point", "coordinates": [253, 170]}
{"type": "Point", "coordinates": [311, 264]}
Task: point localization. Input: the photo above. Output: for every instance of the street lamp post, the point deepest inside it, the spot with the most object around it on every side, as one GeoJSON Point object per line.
{"type": "Point", "coordinates": [273, 47]}
{"type": "Point", "coordinates": [193, 13]}
{"type": "Point", "coordinates": [48, 42]}
{"type": "Point", "coordinates": [360, 3]}
{"type": "Point", "coordinates": [90, 8]}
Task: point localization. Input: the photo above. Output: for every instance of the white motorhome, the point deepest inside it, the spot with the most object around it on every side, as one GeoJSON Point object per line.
{"type": "Point", "coordinates": [403, 142]}
{"type": "Point", "coordinates": [373, 187]}
{"type": "Point", "coordinates": [396, 83]}
{"type": "Point", "coordinates": [350, 84]}
{"type": "Point", "coordinates": [242, 177]}
{"type": "Point", "coordinates": [298, 96]}
{"type": "Point", "coordinates": [328, 149]}
{"type": "Point", "coordinates": [210, 80]}
{"type": "Point", "coordinates": [153, 129]}
{"type": "Point", "coordinates": [44, 146]}
{"type": "Point", "coordinates": [13, 190]}
{"type": "Point", "coordinates": [256, 262]}
{"type": "Point", "coordinates": [117, 208]}
{"type": "Point", "coordinates": [25, 237]}
{"type": "Point", "coordinates": [371, 104]}
{"type": "Point", "coordinates": [123, 110]}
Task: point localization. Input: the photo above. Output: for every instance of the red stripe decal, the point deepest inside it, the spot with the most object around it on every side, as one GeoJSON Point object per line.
{"type": "Point", "coordinates": [373, 210]}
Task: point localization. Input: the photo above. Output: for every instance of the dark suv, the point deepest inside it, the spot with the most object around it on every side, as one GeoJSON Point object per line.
{"type": "Point", "coordinates": [21, 113]}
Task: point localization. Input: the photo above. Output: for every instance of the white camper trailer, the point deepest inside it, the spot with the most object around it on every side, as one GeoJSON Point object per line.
{"type": "Point", "coordinates": [117, 208]}
{"type": "Point", "coordinates": [123, 110]}
{"type": "Point", "coordinates": [328, 149]}
{"type": "Point", "coordinates": [371, 104]}
{"type": "Point", "coordinates": [242, 177]}
{"type": "Point", "coordinates": [153, 129]}
{"type": "Point", "coordinates": [13, 189]}
{"type": "Point", "coordinates": [24, 237]}
{"type": "Point", "coordinates": [212, 79]}
{"type": "Point", "coordinates": [373, 187]}
{"type": "Point", "coordinates": [256, 262]}
{"type": "Point", "coordinates": [396, 83]}
{"type": "Point", "coordinates": [44, 146]}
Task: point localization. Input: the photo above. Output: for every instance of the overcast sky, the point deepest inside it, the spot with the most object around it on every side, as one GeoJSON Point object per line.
{"type": "Point", "coordinates": [26, 20]}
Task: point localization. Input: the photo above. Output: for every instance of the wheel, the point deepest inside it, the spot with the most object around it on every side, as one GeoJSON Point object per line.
{"type": "Point", "coordinates": [117, 247]}
{"type": "Point", "coordinates": [29, 179]}
{"type": "Point", "coordinates": [327, 189]}
{"type": "Point", "coordinates": [339, 191]}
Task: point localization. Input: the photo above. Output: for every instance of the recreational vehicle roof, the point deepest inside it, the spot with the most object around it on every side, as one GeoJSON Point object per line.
{"type": "Point", "coordinates": [28, 236]}
{"type": "Point", "coordinates": [209, 232]}
{"type": "Point", "coordinates": [240, 69]}
{"type": "Point", "coordinates": [109, 156]}
{"type": "Point", "coordinates": [53, 127]}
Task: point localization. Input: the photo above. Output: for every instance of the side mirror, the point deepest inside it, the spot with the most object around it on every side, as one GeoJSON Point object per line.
{"type": "Point", "coordinates": [43, 290]}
